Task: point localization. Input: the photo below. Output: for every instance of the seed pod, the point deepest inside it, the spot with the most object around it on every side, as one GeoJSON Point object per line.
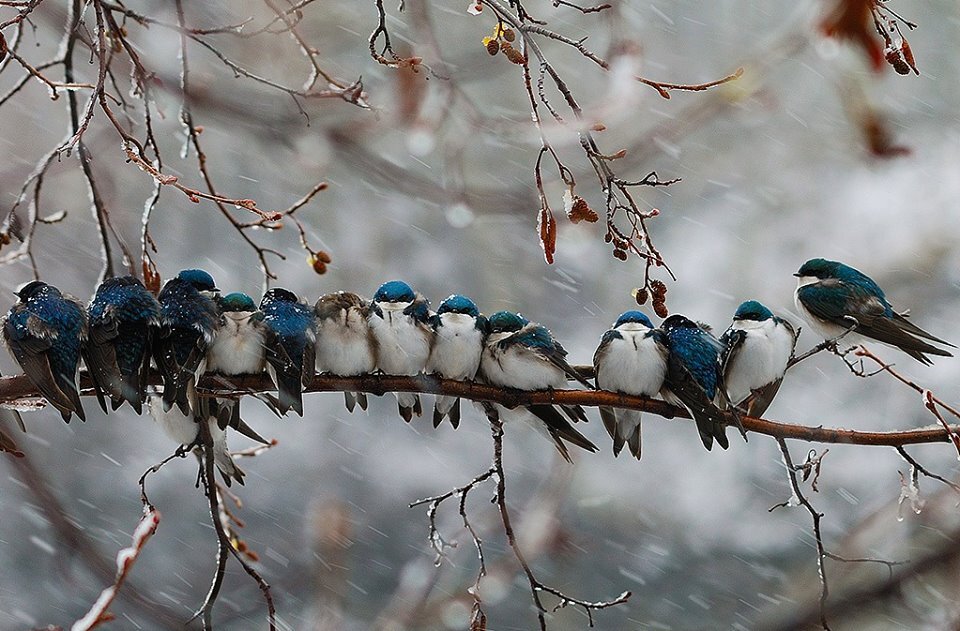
{"type": "Point", "coordinates": [620, 254]}
{"type": "Point", "coordinates": [581, 211]}
{"type": "Point", "coordinates": [493, 47]}
{"type": "Point", "coordinates": [318, 265]}
{"type": "Point", "coordinates": [515, 55]}
{"type": "Point", "coordinates": [895, 59]}
{"type": "Point", "coordinates": [660, 308]}
{"type": "Point", "coordinates": [509, 35]}
{"type": "Point", "coordinates": [659, 289]}
{"type": "Point", "coordinates": [641, 296]}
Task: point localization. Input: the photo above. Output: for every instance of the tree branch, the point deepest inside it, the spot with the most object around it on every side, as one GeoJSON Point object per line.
{"type": "Point", "coordinates": [19, 387]}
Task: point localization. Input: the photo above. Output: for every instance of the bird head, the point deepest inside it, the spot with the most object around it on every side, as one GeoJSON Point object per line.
{"type": "Point", "coordinates": [200, 280]}
{"type": "Point", "coordinates": [456, 303]}
{"type": "Point", "coordinates": [752, 310]}
{"type": "Point", "coordinates": [394, 291]}
{"type": "Point", "coordinates": [635, 317]}
{"type": "Point", "coordinates": [237, 302]}
{"type": "Point", "coordinates": [506, 322]}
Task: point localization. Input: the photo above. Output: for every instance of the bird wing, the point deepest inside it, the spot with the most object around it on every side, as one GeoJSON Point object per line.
{"type": "Point", "coordinates": [682, 384]}
{"type": "Point", "coordinates": [732, 341]}
{"type": "Point", "coordinates": [560, 429]}
{"type": "Point", "coordinates": [101, 357]}
{"type": "Point", "coordinates": [842, 303]}
{"type": "Point", "coordinates": [538, 339]}
{"type": "Point", "coordinates": [602, 350]}
{"type": "Point", "coordinates": [29, 347]}
{"type": "Point", "coordinates": [760, 399]}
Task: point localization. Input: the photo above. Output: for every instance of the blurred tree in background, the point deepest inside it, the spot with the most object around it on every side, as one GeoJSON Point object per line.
{"type": "Point", "coordinates": [712, 147]}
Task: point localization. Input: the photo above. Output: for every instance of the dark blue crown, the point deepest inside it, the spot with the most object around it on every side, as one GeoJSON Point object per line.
{"type": "Point", "coordinates": [634, 316]}
{"type": "Point", "coordinates": [394, 291]}
{"type": "Point", "coordinates": [456, 303]}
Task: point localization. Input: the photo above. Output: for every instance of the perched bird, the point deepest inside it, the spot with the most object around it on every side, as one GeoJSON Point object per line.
{"type": "Point", "coordinates": [399, 320]}
{"type": "Point", "coordinates": [522, 354]}
{"type": "Point", "coordinates": [458, 334]}
{"type": "Point", "coordinates": [345, 343]}
{"type": "Point", "coordinates": [188, 323]}
{"type": "Point", "coordinates": [291, 344]}
{"type": "Point", "coordinates": [632, 359]}
{"type": "Point", "coordinates": [694, 379]}
{"type": "Point", "coordinates": [185, 430]}
{"type": "Point", "coordinates": [238, 348]}
{"type": "Point", "coordinates": [45, 331]}
{"type": "Point", "coordinates": [238, 344]}
{"type": "Point", "coordinates": [124, 319]}
{"type": "Point", "coordinates": [833, 297]}
{"type": "Point", "coordinates": [756, 350]}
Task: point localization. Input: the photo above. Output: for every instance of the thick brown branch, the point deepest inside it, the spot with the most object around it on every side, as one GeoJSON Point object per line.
{"type": "Point", "coordinates": [19, 387]}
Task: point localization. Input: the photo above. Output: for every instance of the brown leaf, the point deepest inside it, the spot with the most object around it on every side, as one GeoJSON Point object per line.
{"type": "Point", "coordinates": [151, 275]}
{"type": "Point", "coordinates": [879, 139]}
{"type": "Point", "coordinates": [547, 226]}
{"type": "Point", "coordinates": [908, 55]}
{"type": "Point", "coordinates": [853, 20]}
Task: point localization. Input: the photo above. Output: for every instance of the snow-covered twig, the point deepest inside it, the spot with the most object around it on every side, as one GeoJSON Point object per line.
{"type": "Point", "coordinates": [99, 613]}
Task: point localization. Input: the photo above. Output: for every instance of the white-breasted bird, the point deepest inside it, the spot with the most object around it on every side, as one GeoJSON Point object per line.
{"type": "Point", "coordinates": [346, 345]}
{"type": "Point", "coordinates": [399, 319]}
{"type": "Point", "coordinates": [458, 334]}
{"type": "Point", "coordinates": [834, 297]}
{"type": "Point", "coordinates": [631, 359]}
{"type": "Point", "coordinates": [522, 354]}
{"type": "Point", "coordinates": [757, 348]}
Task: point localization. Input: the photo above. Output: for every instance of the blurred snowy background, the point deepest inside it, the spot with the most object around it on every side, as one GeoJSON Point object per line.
{"type": "Point", "coordinates": [774, 172]}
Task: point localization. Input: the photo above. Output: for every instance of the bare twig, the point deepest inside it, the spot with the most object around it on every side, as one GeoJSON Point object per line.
{"type": "Point", "coordinates": [536, 586]}
{"type": "Point", "coordinates": [99, 613]}
{"type": "Point", "coordinates": [799, 498]}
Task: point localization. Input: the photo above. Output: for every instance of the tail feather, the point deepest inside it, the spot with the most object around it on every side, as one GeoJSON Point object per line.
{"type": "Point", "coordinates": [289, 392]}
{"type": "Point", "coordinates": [633, 441]}
{"type": "Point", "coordinates": [560, 428]}
{"type": "Point", "coordinates": [624, 427]}
{"type": "Point", "coordinates": [454, 414]}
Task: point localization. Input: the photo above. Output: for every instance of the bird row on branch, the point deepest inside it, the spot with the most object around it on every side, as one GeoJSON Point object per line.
{"type": "Point", "coordinates": [190, 328]}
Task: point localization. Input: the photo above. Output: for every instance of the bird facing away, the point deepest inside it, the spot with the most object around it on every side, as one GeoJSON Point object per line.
{"type": "Point", "coordinates": [631, 359]}
{"type": "Point", "coordinates": [399, 320]}
{"type": "Point", "coordinates": [757, 348]}
{"type": "Point", "coordinates": [124, 319]}
{"type": "Point", "coordinates": [345, 344]}
{"type": "Point", "coordinates": [291, 343]}
{"type": "Point", "coordinates": [693, 379]}
{"type": "Point", "coordinates": [523, 355]}
{"type": "Point", "coordinates": [188, 323]}
{"type": "Point", "coordinates": [834, 297]}
{"type": "Point", "coordinates": [45, 331]}
{"type": "Point", "coordinates": [458, 335]}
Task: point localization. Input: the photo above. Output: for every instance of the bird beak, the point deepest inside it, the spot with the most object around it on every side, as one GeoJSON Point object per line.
{"type": "Point", "coordinates": [798, 275]}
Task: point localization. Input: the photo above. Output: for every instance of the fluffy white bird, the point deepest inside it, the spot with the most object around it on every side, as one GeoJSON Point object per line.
{"type": "Point", "coordinates": [632, 359]}
{"type": "Point", "coordinates": [399, 320]}
{"type": "Point", "coordinates": [757, 348]}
